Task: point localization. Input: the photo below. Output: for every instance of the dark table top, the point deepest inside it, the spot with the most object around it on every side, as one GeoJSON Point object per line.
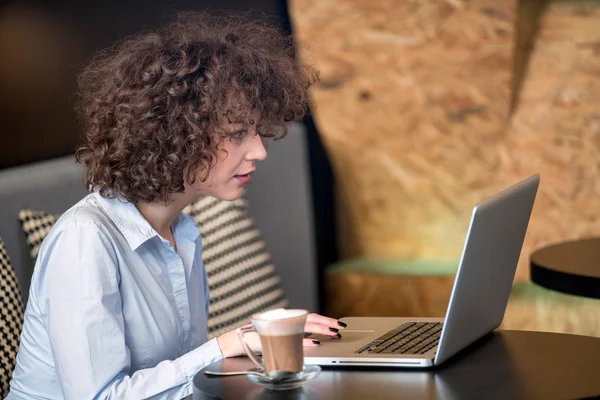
{"type": "Point", "coordinates": [570, 267]}
{"type": "Point", "coordinates": [503, 365]}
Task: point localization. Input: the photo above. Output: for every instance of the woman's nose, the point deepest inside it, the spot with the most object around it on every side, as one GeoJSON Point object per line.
{"type": "Point", "coordinates": [257, 151]}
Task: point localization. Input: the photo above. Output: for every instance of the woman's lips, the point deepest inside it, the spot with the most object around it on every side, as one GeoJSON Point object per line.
{"type": "Point", "coordinates": [243, 179]}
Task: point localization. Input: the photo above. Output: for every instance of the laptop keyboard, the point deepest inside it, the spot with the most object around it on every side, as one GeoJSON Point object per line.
{"type": "Point", "coordinates": [408, 338]}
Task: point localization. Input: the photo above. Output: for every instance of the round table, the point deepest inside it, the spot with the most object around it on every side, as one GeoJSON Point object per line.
{"type": "Point", "coordinates": [570, 267]}
{"type": "Point", "coordinates": [502, 365]}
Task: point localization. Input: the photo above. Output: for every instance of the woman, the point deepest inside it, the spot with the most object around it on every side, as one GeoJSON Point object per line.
{"type": "Point", "coordinates": [119, 297]}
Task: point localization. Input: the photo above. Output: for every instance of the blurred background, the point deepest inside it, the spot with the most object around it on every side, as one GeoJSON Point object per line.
{"type": "Point", "coordinates": [424, 108]}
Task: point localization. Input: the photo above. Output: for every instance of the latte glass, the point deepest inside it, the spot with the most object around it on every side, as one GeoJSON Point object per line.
{"type": "Point", "coordinates": [281, 332]}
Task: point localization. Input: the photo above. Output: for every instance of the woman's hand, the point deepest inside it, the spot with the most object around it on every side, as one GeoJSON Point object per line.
{"type": "Point", "coordinates": [321, 325]}
{"type": "Point", "coordinates": [230, 345]}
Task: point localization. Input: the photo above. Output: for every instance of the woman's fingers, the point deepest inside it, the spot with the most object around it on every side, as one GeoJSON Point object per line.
{"type": "Point", "coordinates": [322, 330]}
{"type": "Point", "coordinates": [316, 323]}
{"type": "Point", "coordinates": [326, 321]}
{"type": "Point", "coordinates": [310, 342]}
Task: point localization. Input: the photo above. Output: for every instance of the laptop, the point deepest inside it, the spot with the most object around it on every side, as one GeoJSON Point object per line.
{"type": "Point", "coordinates": [479, 296]}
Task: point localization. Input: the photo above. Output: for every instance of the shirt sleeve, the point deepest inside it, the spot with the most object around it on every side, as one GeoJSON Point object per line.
{"type": "Point", "coordinates": [86, 327]}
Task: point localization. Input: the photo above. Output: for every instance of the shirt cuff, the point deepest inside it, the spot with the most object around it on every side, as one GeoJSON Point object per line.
{"type": "Point", "coordinates": [200, 357]}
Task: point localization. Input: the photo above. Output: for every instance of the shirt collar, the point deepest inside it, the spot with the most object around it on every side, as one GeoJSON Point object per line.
{"type": "Point", "coordinates": [135, 228]}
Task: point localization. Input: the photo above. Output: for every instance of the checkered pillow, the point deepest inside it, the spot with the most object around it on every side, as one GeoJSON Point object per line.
{"type": "Point", "coordinates": [11, 320]}
{"type": "Point", "coordinates": [36, 225]}
{"type": "Point", "coordinates": [241, 276]}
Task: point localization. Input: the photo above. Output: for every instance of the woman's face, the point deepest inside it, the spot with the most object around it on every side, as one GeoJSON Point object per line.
{"type": "Point", "coordinates": [237, 157]}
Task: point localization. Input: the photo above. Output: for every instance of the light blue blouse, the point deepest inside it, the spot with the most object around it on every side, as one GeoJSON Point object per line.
{"type": "Point", "coordinates": [114, 311]}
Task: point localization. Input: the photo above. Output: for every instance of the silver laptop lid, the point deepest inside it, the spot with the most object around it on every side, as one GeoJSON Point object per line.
{"type": "Point", "coordinates": [487, 267]}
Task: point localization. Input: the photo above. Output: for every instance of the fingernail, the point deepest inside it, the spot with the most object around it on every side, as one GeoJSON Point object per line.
{"type": "Point", "coordinates": [339, 336]}
{"type": "Point", "coordinates": [342, 324]}
{"type": "Point", "coordinates": [334, 329]}
{"type": "Point", "coordinates": [315, 341]}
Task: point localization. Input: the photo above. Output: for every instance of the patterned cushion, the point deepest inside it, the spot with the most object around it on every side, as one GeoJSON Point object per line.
{"type": "Point", "coordinates": [240, 272]}
{"type": "Point", "coordinates": [11, 320]}
{"type": "Point", "coordinates": [36, 225]}
{"type": "Point", "coordinates": [241, 276]}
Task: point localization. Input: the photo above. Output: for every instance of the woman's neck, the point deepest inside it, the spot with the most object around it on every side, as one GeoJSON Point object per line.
{"type": "Point", "coordinates": [161, 216]}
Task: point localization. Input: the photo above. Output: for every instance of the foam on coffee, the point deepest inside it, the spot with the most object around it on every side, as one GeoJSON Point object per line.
{"type": "Point", "coordinates": [280, 313]}
{"type": "Point", "coordinates": [287, 322]}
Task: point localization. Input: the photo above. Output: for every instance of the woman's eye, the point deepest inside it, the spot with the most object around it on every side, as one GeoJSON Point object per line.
{"type": "Point", "coordinates": [239, 134]}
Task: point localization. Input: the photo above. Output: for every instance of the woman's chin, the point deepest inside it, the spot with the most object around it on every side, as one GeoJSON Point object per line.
{"type": "Point", "coordinates": [225, 192]}
{"type": "Point", "coordinates": [229, 195]}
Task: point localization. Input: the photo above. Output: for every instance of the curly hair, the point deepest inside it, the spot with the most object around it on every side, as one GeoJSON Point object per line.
{"type": "Point", "coordinates": [154, 105]}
